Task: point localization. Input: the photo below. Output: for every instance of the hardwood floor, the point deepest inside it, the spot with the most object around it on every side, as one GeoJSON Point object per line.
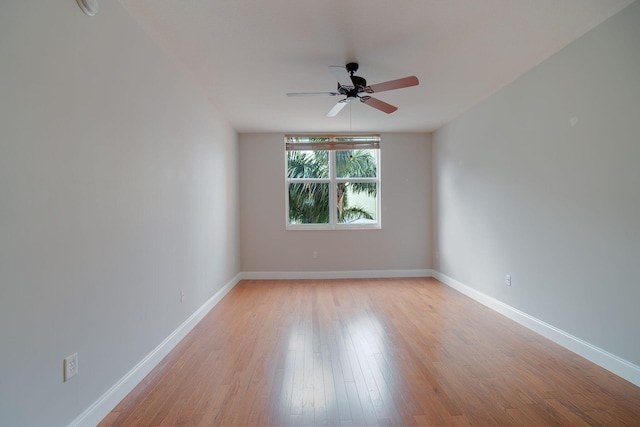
{"type": "Point", "coordinates": [370, 352]}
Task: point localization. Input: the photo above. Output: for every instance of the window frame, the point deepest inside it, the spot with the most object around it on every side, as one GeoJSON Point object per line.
{"type": "Point", "coordinates": [334, 144]}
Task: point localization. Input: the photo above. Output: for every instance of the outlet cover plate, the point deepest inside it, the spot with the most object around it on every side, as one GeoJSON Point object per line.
{"type": "Point", "coordinates": [70, 367]}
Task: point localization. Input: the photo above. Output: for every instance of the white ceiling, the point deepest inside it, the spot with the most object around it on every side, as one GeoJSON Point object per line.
{"type": "Point", "coordinates": [247, 54]}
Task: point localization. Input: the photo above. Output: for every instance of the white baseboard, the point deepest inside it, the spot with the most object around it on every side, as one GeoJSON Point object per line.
{"type": "Point", "coordinates": [354, 274]}
{"type": "Point", "coordinates": [105, 404]}
{"type": "Point", "coordinates": [603, 358]}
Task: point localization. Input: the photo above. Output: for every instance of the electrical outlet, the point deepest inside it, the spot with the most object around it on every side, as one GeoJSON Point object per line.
{"type": "Point", "coordinates": [181, 295]}
{"type": "Point", "coordinates": [70, 367]}
{"type": "Point", "coordinates": [315, 254]}
{"type": "Point", "coordinates": [508, 280]}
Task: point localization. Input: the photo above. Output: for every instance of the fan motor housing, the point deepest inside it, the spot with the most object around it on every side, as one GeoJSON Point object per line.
{"type": "Point", "coordinates": [359, 83]}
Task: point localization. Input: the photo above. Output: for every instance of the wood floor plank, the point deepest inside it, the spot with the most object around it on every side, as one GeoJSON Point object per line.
{"type": "Point", "coordinates": [406, 351]}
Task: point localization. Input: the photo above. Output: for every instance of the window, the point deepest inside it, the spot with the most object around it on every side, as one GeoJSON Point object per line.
{"type": "Point", "coordinates": [333, 182]}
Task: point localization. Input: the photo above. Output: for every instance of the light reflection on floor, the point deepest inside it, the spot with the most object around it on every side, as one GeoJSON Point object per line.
{"type": "Point", "coordinates": [328, 362]}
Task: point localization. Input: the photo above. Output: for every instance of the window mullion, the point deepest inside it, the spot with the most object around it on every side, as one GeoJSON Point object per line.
{"type": "Point", "coordinates": [303, 180]}
{"type": "Point", "coordinates": [333, 215]}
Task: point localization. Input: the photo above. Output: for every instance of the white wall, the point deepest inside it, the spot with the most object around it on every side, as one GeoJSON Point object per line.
{"type": "Point", "coordinates": [523, 190]}
{"type": "Point", "coordinates": [118, 187]}
{"type": "Point", "coordinates": [401, 245]}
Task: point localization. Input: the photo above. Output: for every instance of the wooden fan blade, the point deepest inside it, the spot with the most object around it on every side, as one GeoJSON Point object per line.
{"type": "Point", "coordinates": [380, 105]}
{"type": "Point", "coordinates": [341, 75]}
{"type": "Point", "coordinates": [314, 94]}
{"type": "Point", "coordinates": [337, 108]}
{"type": "Point", "coordinates": [393, 84]}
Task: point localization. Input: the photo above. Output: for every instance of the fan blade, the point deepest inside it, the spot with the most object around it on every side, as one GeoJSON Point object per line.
{"type": "Point", "coordinates": [392, 84]}
{"type": "Point", "coordinates": [341, 75]}
{"type": "Point", "coordinates": [380, 105]}
{"type": "Point", "coordinates": [314, 94]}
{"type": "Point", "coordinates": [337, 108]}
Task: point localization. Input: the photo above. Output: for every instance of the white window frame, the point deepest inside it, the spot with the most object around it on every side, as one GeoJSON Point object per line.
{"type": "Point", "coordinates": [335, 143]}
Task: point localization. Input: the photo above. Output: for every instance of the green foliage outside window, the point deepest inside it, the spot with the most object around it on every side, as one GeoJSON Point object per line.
{"type": "Point", "coordinates": [309, 201]}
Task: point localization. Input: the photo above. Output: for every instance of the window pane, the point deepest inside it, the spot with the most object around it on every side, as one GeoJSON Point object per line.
{"type": "Point", "coordinates": [357, 202]}
{"type": "Point", "coordinates": [308, 164]}
{"type": "Point", "coordinates": [309, 203]}
{"type": "Point", "coordinates": [356, 163]}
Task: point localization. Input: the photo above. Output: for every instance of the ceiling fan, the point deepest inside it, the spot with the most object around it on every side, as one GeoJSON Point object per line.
{"type": "Point", "coordinates": [354, 87]}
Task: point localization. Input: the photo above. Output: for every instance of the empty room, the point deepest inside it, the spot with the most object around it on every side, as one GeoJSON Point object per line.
{"type": "Point", "coordinates": [319, 212]}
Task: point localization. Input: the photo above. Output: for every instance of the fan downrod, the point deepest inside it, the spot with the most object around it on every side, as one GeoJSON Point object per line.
{"type": "Point", "coordinates": [359, 83]}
